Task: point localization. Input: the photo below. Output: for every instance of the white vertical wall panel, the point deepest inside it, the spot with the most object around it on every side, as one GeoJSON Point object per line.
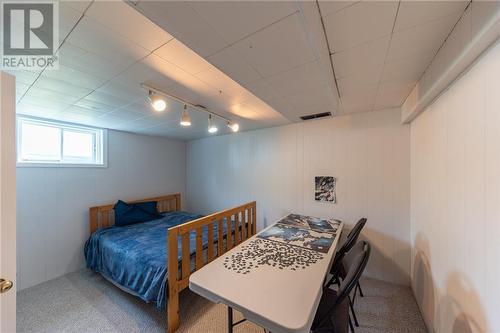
{"type": "Point", "coordinates": [52, 210]}
{"type": "Point", "coordinates": [455, 203]}
{"type": "Point", "coordinates": [368, 153]}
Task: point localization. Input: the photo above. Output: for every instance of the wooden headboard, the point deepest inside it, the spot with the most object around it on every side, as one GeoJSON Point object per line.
{"type": "Point", "coordinates": [103, 216]}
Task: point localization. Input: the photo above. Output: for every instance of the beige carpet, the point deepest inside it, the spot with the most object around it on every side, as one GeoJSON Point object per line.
{"type": "Point", "coordinates": [85, 302]}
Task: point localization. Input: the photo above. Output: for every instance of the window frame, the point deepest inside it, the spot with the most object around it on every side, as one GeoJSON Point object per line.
{"type": "Point", "coordinates": [100, 144]}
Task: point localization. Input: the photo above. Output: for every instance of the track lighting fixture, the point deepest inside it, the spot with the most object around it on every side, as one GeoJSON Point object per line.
{"type": "Point", "coordinates": [185, 118]}
{"type": "Point", "coordinates": [233, 126]}
{"type": "Point", "coordinates": [157, 101]}
{"type": "Point", "coordinates": [211, 126]}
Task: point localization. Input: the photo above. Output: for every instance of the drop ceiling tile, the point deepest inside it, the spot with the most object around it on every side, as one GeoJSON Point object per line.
{"type": "Point", "coordinates": [35, 110]}
{"type": "Point", "coordinates": [413, 13]}
{"type": "Point", "coordinates": [312, 102]}
{"type": "Point", "coordinates": [369, 77]}
{"type": "Point", "coordinates": [96, 38]}
{"type": "Point", "coordinates": [148, 121]}
{"type": "Point", "coordinates": [365, 59]}
{"type": "Point", "coordinates": [124, 92]}
{"type": "Point", "coordinates": [108, 121]}
{"type": "Point", "coordinates": [330, 7]}
{"type": "Point", "coordinates": [78, 118]}
{"type": "Point", "coordinates": [232, 63]}
{"type": "Point", "coordinates": [356, 85]}
{"type": "Point", "coordinates": [407, 69]}
{"type": "Point", "coordinates": [146, 70]}
{"type": "Point", "coordinates": [360, 23]}
{"type": "Point", "coordinates": [37, 93]}
{"type": "Point", "coordinates": [245, 111]}
{"type": "Point", "coordinates": [422, 40]}
{"type": "Point", "coordinates": [359, 101]}
{"type": "Point", "coordinates": [110, 100]}
{"type": "Point", "coordinates": [126, 21]}
{"type": "Point", "coordinates": [21, 89]}
{"type": "Point", "coordinates": [94, 105]}
{"type": "Point", "coordinates": [178, 54]}
{"type": "Point", "coordinates": [172, 16]}
{"type": "Point", "coordinates": [277, 48]}
{"type": "Point", "coordinates": [182, 84]}
{"type": "Point", "coordinates": [143, 107]}
{"type": "Point", "coordinates": [74, 76]}
{"type": "Point", "coordinates": [234, 20]}
{"type": "Point", "coordinates": [264, 91]}
{"type": "Point", "coordinates": [84, 61]}
{"type": "Point", "coordinates": [94, 113]}
{"type": "Point", "coordinates": [80, 6]}
{"type": "Point", "coordinates": [126, 114]}
{"type": "Point", "coordinates": [297, 80]}
{"type": "Point", "coordinates": [61, 86]}
{"type": "Point", "coordinates": [392, 94]}
{"type": "Point", "coordinates": [68, 18]}
{"type": "Point", "coordinates": [356, 105]}
{"type": "Point", "coordinates": [43, 102]}
{"type": "Point", "coordinates": [224, 84]}
{"type": "Point", "coordinates": [111, 119]}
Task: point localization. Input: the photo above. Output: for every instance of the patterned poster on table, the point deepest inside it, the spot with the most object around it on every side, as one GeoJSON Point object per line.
{"type": "Point", "coordinates": [310, 222]}
{"type": "Point", "coordinates": [306, 238]}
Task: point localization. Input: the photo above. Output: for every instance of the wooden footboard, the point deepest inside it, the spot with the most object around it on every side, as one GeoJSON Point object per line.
{"type": "Point", "coordinates": [240, 224]}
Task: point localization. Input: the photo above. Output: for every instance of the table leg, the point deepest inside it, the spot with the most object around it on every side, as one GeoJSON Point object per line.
{"type": "Point", "coordinates": [229, 319]}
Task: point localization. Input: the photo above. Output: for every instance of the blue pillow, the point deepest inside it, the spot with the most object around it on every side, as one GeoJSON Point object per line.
{"type": "Point", "coordinates": [126, 214]}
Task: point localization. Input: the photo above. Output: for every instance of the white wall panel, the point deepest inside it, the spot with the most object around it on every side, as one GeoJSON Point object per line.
{"type": "Point", "coordinates": [368, 153]}
{"type": "Point", "coordinates": [455, 203]}
{"type": "Point", "coordinates": [53, 202]}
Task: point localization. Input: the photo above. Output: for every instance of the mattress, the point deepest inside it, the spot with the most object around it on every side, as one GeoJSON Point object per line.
{"type": "Point", "coordinates": [134, 257]}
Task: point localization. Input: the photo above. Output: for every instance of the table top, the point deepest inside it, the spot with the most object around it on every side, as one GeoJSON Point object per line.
{"type": "Point", "coordinates": [274, 278]}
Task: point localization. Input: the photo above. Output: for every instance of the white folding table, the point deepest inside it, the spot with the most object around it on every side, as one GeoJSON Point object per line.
{"type": "Point", "coordinates": [275, 284]}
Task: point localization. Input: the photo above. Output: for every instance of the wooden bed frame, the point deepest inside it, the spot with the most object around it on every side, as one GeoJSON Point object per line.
{"type": "Point", "coordinates": [244, 218]}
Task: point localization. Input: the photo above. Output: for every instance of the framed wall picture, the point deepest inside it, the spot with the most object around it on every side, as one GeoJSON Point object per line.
{"type": "Point", "coordinates": [325, 189]}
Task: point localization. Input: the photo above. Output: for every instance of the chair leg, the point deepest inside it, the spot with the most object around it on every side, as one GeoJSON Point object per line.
{"type": "Point", "coordinates": [229, 319]}
{"type": "Point", "coordinates": [353, 313]}
{"type": "Point", "coordinates": [360, 291]}
{"type": "Point", "coordinates": [350, 325]}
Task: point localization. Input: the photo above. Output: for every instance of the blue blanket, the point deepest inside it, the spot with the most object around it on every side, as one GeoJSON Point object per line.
{"type": "Point", "coordinates": [134, 257]}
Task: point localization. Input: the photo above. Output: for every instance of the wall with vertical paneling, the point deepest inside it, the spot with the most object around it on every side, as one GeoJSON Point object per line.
{"type": "Point", "coordinates": [455, 203]}
{"type": "Point", "coordinates": [368, 153]}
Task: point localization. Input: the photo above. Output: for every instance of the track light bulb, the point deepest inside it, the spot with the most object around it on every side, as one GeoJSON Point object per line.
{"type": "Point", "coordinates": [211, 126]}
{"type": "Point", "coordinates": [233, 126]}
{"type": "Point", "coordinates": [185, 118]}
{"type": "Point", "coordinates": [157, 102]}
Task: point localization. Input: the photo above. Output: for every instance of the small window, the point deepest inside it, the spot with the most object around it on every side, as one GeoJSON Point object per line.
{"type": "Point", "coordinates": [48, 143]}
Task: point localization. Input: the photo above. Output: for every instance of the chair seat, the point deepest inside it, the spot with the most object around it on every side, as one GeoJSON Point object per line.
{"type": "Point", "coordinates": [339, 320]}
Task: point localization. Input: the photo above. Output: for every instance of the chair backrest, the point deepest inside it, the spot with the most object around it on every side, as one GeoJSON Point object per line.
{"type": "Point", "coordinates": [353, 236]}
{"type": "Point", "coordinates": [355, 262]}
{"type": "Point", "coordinates": [351, 239]}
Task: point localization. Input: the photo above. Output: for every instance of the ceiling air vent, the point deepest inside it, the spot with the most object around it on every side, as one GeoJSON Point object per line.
{"type": "Point", "coordinates": [317, 115]}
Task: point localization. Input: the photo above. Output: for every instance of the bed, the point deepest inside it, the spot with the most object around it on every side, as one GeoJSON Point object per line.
{"type": "Point", "coordinates": [153, 260]}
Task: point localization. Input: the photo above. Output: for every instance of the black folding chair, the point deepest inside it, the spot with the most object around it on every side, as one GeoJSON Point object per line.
{"type": "Point", "coordinates": [332, 315]}
{"type": "Point", "coordinates": [350, 241]}
{"type": "Point", "coordinates": [337, 271]}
